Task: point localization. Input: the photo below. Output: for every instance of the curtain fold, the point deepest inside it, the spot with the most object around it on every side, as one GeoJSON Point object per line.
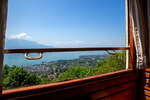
{"type": "Point", "coordinates": [139, 33]}
{"type": "Point", "coordinates": [3, 18]}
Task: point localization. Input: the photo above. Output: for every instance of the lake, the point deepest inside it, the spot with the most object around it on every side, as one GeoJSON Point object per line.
{"type": "Point", "coordinates": [19, 59]}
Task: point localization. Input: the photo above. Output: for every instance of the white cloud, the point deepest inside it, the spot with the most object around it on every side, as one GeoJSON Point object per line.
{"type": "Point", "coordinates": [24, 36]}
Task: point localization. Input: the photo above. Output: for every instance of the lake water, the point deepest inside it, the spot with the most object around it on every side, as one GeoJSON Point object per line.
{"type": "Point", "coordinates": [19, 59]}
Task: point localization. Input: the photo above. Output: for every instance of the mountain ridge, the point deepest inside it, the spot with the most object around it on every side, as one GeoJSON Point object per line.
{"type": "Point", "coordinates": [23, 44]}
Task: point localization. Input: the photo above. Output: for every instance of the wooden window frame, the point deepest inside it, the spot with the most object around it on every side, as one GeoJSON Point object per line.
{"type": "Point", "coordinates": [54, 87]}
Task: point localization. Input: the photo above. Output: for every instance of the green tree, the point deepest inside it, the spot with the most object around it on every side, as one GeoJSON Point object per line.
{"type": "Point", "coordinates": [76, 72]}
{"type": "Point", "coordinates": [113, 63]}
{"type": "Point", "coordinates": [45, 80]}
{"type": "Point", "coordinates": [5, 71]}
{"type": "Point", "coordinates": [19, 77]}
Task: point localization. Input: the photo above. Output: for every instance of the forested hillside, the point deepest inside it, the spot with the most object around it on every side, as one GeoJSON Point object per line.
{"type": "Point", "coordinates": [18, 76]}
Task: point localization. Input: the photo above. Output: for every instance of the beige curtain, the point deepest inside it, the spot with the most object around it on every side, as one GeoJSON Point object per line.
{"type": "Point", "coordinates": [3, 17]}
{"type": "Point", "coordinates": [139, 32]}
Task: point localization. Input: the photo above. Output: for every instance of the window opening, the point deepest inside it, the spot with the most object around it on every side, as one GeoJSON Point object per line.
{"type": "Point", "coordinates": [87, 38]}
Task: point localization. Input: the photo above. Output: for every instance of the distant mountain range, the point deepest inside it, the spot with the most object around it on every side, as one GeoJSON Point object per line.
{"type": "Point", "coordinates": [21, 44]}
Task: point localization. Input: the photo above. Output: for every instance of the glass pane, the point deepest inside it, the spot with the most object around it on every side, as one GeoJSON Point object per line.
{"type": "Point", "coordinates": [54, 67]}
{"type": "Point", "coordinates": [65, 23]}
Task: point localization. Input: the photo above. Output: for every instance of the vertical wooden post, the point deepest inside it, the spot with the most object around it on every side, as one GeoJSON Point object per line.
{"type": "Point", "coordinates": [3, 17]}
{"type": "Point", "coordinates": [132, 59]}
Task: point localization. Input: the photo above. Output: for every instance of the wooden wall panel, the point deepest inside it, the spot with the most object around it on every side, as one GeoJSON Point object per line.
{"type": "Point", "coordinates": [121, 92]}
{"type": "Point", "coordinates": [124, 95]}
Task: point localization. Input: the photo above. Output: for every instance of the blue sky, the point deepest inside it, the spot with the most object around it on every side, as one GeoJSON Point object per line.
{"type": "Point", "coordinates": [68, 23]}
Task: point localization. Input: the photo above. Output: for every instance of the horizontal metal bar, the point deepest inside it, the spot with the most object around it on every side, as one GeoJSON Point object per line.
{"type": "Point", "coordinates": [62, 49]}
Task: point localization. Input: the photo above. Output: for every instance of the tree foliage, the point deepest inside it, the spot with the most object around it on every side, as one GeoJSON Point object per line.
{"type": "Point", "coordinates": [76, 72]}
{"type": "Point", "coordinates": [113, 63]}
{"type": "Point", "coordinates": [17, 77]}
{"type": "Point", "coordinates": [5, 71]}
